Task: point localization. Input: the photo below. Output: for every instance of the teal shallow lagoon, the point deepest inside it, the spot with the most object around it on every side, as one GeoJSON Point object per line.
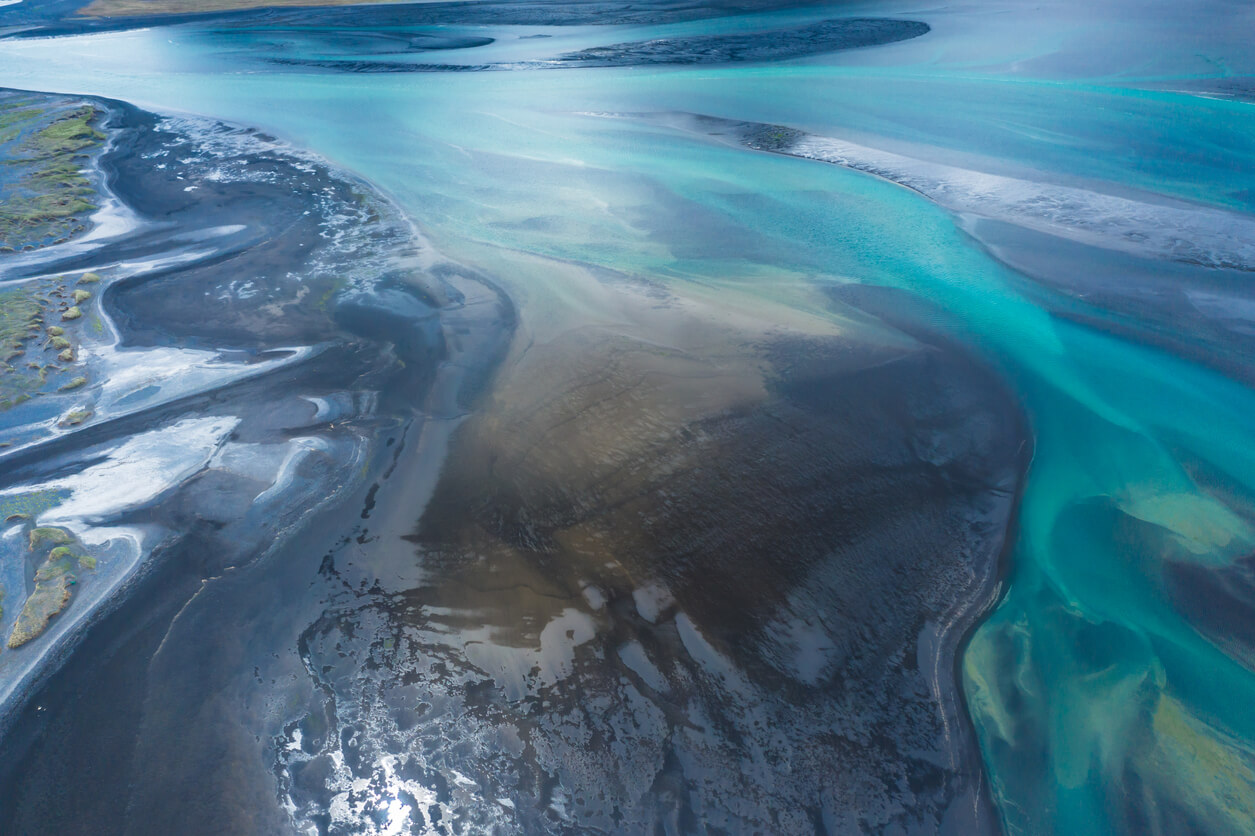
{"type": "Point", "coordinates": [1096, 694]}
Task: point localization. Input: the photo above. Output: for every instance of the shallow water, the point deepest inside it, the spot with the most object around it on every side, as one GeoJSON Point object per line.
{"type": "Point", "coordinates": [1097, 692]}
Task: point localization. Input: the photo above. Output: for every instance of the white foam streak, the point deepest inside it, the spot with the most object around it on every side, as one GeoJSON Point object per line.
{"type": "Point", "coordinates": [137, 471]}
{"type": "Point", "coordinates": [140, 378]}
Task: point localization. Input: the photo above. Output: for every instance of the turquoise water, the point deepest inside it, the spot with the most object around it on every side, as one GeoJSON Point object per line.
{"type": "Point", "coordinates": [1090, 691]}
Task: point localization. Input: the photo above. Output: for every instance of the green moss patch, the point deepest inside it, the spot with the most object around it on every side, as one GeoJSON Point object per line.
{"type": "Point", "coordinates": [49, 598]}
{"type": "Point", "coordinates": [75, 417]}
{"type": "Point", "coordinates": [53, 581]}
{"type": "Point", "coordinates": [66, 133]}
{"type": "Point", "coordinates": [17, 114]}
{"type": "Point", "coordinates": [30, 505]}
{"type": "Point", "coordinates": [61, 552]}
{"type": "Point", "coordinates": [81, 296]}
{"type": "Point", "coordinates": [21, 315]}
{"type": "Point", "coordinates": [51, 570]}
{"type": "Point", "coordinates": [48, 536]}
{"type": "Point", "coordinates": [24, 311]}
{"type": "Point", "coordinates": [49, 146]}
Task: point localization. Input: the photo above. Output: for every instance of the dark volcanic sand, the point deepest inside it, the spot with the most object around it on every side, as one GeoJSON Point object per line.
{"type": "Point", "coordinates": [768, 45]}
{"type": "Point", "coordinates": [319, 250]}
{"type": "Point", "coordinates": [771, 45]}
{"type": "Point", "coordinates": [679, 578]}
{"type": "Point", "coordinates": [51, 17]}
{"type": "Point", "coordinates": [641, 613]}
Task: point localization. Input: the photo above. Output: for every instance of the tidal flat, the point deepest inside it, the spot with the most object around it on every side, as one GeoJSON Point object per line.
{"type": "Point", "coordinates": [670, 450]}
{"type": "Point", "coordinates": [717, 418]}
{"type": "Point", "coordinates": [180, 419]}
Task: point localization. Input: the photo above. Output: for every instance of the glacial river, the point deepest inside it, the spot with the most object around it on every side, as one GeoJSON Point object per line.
{"type": "Point", "coordinates": [1099, 684]}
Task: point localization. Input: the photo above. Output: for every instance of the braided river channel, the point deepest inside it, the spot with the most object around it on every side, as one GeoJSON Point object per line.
{"type": "Point", "coordinates": [834, 418]}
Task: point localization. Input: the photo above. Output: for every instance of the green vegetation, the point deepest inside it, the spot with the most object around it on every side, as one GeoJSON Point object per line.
{"type": "Point", "coordinates": [89, 278]}
{"type": "Point", "coordinates": [335, 286]}
{"type": "Point", "coordinates": [45, 201]}
{"type": "Point", "coordinates": [66, 134]}
{"type": "Point", "coordinates": [75, 417]}
{"type": "Point", "coordinates": [53, 580]}
{"type": "Point", "coordinates": [29, 505]}
{"type": "Point", "coordinates": [48, 536]}
{"type": "Point", "coordinates": [51, 570]}
{"type": "Point", "coordinates": [49, 598]}
{"type": "Point", "coordinates": [20, 316]}
{"type": "Point", "coordinates": [23, 311]}
{"type": "Point", "coordinates": [17, 113]}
